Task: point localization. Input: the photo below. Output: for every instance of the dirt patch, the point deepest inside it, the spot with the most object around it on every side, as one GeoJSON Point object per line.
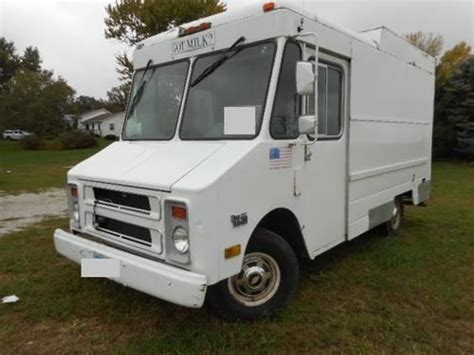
{"type": "Point", "coordinates": [20, 211]}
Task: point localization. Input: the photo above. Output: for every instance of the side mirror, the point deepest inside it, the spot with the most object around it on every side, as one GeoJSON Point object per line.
{"type": "Point", "coordinates": [307, 125]}
{"type": "Point", "coordinates": [304, 78]}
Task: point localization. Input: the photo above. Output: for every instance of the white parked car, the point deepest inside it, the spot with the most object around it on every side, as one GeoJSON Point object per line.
{"type": "Point", "coordinates": [7, 134]}
{"type": "Point", "coordinates": [253, 139]}
{"type": "Point", "coordinates": [15, 135]}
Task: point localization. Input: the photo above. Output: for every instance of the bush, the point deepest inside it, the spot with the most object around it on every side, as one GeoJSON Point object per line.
{"type": "Point", "coordinates": [77, 140]}
{"type": "Point", "coordinates": [32, 142]}
{"type": "Point", "coordinates": [111, 137]}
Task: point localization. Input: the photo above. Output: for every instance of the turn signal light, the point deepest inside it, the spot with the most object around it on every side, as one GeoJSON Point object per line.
{"type": "Point", "coordinates": [269, 6]}
{"type": "Point", "coordinates": [179, 212]}
{"type": "Point", "coordinates": [232, 251]}
{"type": "Point", "coordinates": [194, 29]}
{"type": "Point", "coordinates": [74, 191]}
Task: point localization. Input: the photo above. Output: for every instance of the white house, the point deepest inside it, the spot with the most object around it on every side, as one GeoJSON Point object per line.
{"type": "Point", "coordinates": [100, 122]}
{"type": "Point", "coordinates": [112, 124]}
{"type": "Point", "coordinates": [92, 121]}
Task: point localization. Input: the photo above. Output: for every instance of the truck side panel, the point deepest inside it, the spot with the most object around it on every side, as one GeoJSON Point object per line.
{"type": "Point", "coordinates": [391, 116]}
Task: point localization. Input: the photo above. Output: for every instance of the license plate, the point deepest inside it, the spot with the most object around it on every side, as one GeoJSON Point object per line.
{"type": "Point", "coordinates": [100, 267]}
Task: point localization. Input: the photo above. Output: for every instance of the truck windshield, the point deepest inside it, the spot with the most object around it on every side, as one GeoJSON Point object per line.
{"type": "Point", "coordinates": [156, 113]}
{"type": "Point", "coordinates": [240, 82]}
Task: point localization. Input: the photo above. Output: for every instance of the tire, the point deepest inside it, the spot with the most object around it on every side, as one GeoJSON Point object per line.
{"type": "Point", "coordinates": [270, 283]}
{"type": "Point", "coordinates": [394, 225]}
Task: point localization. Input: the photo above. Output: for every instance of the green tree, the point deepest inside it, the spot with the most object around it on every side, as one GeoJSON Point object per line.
{"type": "Point", "coordinates": [30, 98]}
{"type": "Point", "coordinates": [84, 103]}
{"type": "Point", "coordinates": [9, 61]}
{"type": "Point", "coordinates": [460, 111]}
{"type": "Point", "coordinates": [131, 21]}
{"type": "Point", "coordinates": [31, 60]}
{"type": "Point", "coordinates": [450, 62]}
{"type": "Point", "coordinates": [35, 102]}
{"type": "Point", "coordinates": [117, 97]}
{"type": "Point", "coordinates": [428, 42]}
{"type": "Point", "coordinates": [445, 130]}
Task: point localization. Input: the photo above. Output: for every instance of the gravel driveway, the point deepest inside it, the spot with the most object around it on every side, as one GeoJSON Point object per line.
{"type": "Point", "coordinates": [19, 211]}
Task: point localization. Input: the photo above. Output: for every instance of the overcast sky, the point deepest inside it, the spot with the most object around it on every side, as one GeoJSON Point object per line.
{"type": "Point", "coordinates": [70, 34]}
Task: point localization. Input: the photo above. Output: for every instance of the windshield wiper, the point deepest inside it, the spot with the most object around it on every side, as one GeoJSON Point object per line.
{"type": "Point", "coordinates": [138, 95]}
{"type": "Point", "coordinates": [210, 69]}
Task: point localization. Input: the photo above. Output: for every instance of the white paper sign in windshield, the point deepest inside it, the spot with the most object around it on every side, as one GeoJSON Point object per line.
{"type": "Point", "coordinates": [239, 120]}
{"type": "Point", "coordinates": [193, 43]}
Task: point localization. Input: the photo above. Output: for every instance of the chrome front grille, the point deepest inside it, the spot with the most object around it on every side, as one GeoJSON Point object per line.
{"type": "Point", "coordinates": [126, 216]}
{"type": "Point", "coordinates": [122, 200]}
{"type": "Point", "coordinates": [123, 208]}
{"type": "Point", "coordinates": [127, 231]}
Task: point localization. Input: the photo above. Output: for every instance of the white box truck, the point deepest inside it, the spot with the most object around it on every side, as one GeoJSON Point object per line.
{"type": "Point", "coordinates": [252, 139]}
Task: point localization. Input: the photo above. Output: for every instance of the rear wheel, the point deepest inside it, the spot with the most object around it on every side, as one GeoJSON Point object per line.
{"type": "Point", "coordinates": [267, 281]}
{"type": "Point", "coordinates": [394, 225]}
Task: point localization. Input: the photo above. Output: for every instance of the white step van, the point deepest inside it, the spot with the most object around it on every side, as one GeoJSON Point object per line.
{"type": "Point", "coordinates": [252, 139]}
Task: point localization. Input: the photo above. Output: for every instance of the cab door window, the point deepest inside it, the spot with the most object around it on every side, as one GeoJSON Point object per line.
{"type": "Point", "coordinates": [285, 113]}
{"type": "Point", "coordinates": [329, 101]}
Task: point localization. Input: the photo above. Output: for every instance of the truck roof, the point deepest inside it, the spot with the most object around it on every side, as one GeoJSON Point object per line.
{"type": "Point", "coordinates": [248, 11]}
{"type": "Point", "coordinates": [380, 38]}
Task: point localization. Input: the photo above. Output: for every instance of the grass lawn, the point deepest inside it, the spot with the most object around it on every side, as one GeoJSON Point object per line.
{"type": "Point", "coordinates": [33, 170]}
{"type": "Point", "coordinates": [412, 293]}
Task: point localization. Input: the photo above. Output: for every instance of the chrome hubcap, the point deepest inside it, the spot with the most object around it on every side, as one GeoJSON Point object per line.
{"type": "Point", "coordinates": [258, 280]}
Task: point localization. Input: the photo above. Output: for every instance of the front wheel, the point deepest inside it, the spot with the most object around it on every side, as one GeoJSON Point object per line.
{"type": "Point", "coordinates": [267, 281]}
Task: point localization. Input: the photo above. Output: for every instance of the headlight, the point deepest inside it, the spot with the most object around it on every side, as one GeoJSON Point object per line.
{"type": "Point", "coordinates": [181, 240]}
{"type": "Point", "coordinates": [75, 212]}
{"type": "Point", "coordinates": [73, 201]}
{"type": "Point", "coordinates": [177, 232]}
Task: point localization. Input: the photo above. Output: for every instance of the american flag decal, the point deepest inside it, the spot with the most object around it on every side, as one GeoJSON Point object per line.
{"type": "Point", "coordinates": [280, 157]}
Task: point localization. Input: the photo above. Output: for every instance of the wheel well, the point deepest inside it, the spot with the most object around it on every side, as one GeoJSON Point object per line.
{"type": "Point", "coordinates": [407, 197]}
{"type": "Point", "coordinates": [284, 223]}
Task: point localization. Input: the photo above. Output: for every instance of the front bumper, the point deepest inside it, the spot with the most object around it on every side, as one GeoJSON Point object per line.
{"type": "Point", "coordinates": [156, 279]}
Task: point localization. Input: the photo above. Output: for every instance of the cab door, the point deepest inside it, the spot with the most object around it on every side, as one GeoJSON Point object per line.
{"type": "Point", "coordinates": [323, 173]}
{"type": "Point", "coordinates": [319, 167]}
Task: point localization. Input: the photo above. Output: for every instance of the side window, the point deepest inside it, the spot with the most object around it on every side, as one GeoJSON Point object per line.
{"type": "Point", "coordinates": [284, 120]}
{"type": "Point", "coordinates": [322, 85]}
{"type": "Point", "coordinates": [329, 100]}
{"type": "Point", "coordinates": [333, 101]}
{"type": "Point", "coordinates": [111, 126]}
